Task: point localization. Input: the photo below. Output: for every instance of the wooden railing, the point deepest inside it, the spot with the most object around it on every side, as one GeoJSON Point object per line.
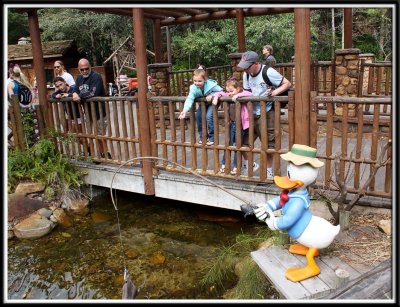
{"type": "Point", "coordinates": [353, 147]}
{"type": "Point", "coordinates": [375, 80]}
{"type": "Point", "coordinates": [176, 139]}
{"type": "Point", "coordinates": [354, 143]}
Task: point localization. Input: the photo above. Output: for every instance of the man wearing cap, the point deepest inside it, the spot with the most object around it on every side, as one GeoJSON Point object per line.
{"type": "Point", "coordinates": [253, 81]}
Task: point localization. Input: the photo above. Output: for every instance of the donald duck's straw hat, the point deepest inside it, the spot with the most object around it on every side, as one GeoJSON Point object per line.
{"type": "Point", "coordinates": [302, 154]}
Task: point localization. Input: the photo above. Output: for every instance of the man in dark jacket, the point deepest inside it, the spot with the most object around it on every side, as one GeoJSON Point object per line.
{"type": "Point", "coordinates": [90, 84]}
{"type": "Point", "coordinates": [64, 90]}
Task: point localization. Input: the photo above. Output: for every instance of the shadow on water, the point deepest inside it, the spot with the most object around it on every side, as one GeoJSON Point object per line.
{"type": "Point", "coordinates": [166, 248]}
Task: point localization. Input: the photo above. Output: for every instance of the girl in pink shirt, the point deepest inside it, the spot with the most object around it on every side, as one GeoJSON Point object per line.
{"type": "Point", "coordinates": [234, 90]}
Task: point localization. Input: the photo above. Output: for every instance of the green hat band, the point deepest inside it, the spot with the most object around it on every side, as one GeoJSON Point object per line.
{"type": "Point", "coordinates": [303, 152]}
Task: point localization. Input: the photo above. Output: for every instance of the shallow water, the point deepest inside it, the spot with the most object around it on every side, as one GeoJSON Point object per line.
{"type": "Point", "coordinates": [165, 247]}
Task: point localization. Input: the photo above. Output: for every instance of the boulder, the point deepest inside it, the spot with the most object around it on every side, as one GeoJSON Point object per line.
{"type": "Point", "coordinates": [385, 226]}
{"type": "Point", "coordinates": [20, 206]}
{"type": "Point", "coordinates": [77, 206]}
{"type": "Point", "coordinates": [33, 227]}
{"type": "Point", "coordinates": [61, 217]}
{"type": "Point", "coordinates": [29, 187]}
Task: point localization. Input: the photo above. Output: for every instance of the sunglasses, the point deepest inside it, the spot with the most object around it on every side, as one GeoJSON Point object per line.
{"type": "Point", "coordinates": [57, 66]}
{"type": "Point", "coordinates": [84, 69]}
{"type": "Point", "coordinates": [249, 66]}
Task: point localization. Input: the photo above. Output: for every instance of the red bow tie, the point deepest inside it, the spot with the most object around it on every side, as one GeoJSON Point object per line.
{"type": "Point", "coordinates": [283, 197]}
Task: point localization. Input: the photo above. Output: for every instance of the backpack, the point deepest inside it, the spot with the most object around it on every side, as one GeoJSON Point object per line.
{"type": "Point", "coordinates": [24, 95]}
{"type": "Point", "coordinates": [269, 83]}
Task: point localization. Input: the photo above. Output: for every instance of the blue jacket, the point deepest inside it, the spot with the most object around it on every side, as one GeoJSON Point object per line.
{"type": "Point", "coordinates": [296, 214]}
{"type": "Point", "coordinates": [92, 86]}
{"type": "Point", "coordinates": [210, 86]}
{"type": "Point", "coordinates": [71, 104]}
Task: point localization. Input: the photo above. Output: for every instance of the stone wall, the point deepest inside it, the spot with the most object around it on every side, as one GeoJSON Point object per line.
{"type": "Point", "coordinates": [159, 78]}
{"type": "Point", "coordinates": [346, 77]}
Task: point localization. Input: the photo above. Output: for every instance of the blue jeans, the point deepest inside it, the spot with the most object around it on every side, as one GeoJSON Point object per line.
{"type": "Point", "coordinates": [209, 119]}
{"type": "Point", "coordinates": [232, 140]}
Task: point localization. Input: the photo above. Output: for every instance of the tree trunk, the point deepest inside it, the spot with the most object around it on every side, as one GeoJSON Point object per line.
{"type": "Point", "coordinates": [382, 35]}
{"type": "Point", "coordinates": [344, 219]}
{"type": "Point", "coordinates": [93, 48]}
{"type": "Point", "coordinates": [333, 33]}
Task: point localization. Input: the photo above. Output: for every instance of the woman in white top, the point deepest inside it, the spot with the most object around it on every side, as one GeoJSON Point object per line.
{"type": "Point", "coordinates": [59, 71]}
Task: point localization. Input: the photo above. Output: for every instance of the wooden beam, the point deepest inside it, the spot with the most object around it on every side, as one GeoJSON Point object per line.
{"type": "Point", "coordinates": [348, 28]}
{"type": "Point", "coordinates": [144, 130]}
{"type": "Point", "coordinates": [240, 30]}
{"type": "Point", "coordinates": [45, 114]}
{"type": "Point", "coordinates": [266, 11]}
{"type": "Point", "coordinates": [157, 40]}
{"type": "Point", "coordinates": [195, 18]}
{"type": "Point", "coordinates": [302, 60]}
{"type": "Point", "coordinates": [168, 46]}
{"type": "Point", "coordinates": [166, 12]}
{"type": "Point", "coordinates": [193, 11]}
{"type": "Point", "coordinates": [116, 11]}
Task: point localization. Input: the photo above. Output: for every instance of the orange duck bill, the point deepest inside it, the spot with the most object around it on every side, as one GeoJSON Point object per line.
{"type": "Point", "coordinates": [285, 183]}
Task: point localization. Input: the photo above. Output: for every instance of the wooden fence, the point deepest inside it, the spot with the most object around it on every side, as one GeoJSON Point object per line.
{"type": "Point", "coordinates": [350, 146]}
{"type": "Point", "coordinates": [353, 146]}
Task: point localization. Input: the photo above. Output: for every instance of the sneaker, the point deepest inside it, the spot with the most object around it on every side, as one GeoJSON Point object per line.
{"type": "Point", "coordinates": [108, 155]}
{"type": "Point", "coordinates": [200, 142]}
{"type": "Point", "coordinates": [210, 143]}
{"type": "Point", "coordinates": [270, 174]}
{"type": "Point", "coordinates": [222, 169]}
{"type": "Point", "coordinates": [255, 167]}
{"type": "Point", "coordinates": [234, 171]}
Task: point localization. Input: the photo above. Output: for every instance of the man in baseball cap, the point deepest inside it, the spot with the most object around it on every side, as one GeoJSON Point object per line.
{"type": "Point", "coordinates": [248, 59]}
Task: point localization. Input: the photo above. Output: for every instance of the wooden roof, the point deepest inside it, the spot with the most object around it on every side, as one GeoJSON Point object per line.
{"type": "Point", "coordinates": [170, 16]}
{"type": "Point", "coordinates": [50, 49]}
{"type": "Point", "coordinates": [173, 16]}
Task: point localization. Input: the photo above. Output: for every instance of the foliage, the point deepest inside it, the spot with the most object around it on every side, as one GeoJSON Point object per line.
{"type": "Point", "coordinates": [17, 26]}
{"type": "Point", "coordinates": [28, 127]}
{"type": "Point", "coordinates": [95, 34]}
{"type": "Point", "coordinates": [222, 268]}
{"type": "Point", "coordinates": [43, 163]}
{"type": "Point", "coordinates": [208, 45]}
{"type": "Point", "coordinates": [251, 284]}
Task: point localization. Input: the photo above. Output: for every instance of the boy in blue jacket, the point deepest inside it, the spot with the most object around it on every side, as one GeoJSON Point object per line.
{"type": "Point", "coordinates": [202, 87]}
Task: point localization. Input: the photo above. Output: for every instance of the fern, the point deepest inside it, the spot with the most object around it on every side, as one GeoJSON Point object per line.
{"type": "Point", "coordinates": [222, 268]}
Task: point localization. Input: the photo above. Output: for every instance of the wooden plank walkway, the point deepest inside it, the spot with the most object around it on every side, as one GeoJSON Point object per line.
{"type": "Point", "coordinates": [375, 284]}
{"type": "Point", "coordinates": [275, 260]}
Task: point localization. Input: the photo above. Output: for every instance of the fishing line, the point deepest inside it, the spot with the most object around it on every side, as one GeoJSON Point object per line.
{"type": "Point", "coordinates": [170, 162]}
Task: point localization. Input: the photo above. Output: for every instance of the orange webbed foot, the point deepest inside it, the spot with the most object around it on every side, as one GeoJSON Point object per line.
{"type": "Point", "coordinates": [300, 249]}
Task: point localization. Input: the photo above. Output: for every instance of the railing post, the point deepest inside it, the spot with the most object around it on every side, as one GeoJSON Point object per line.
{"type": "Point", "coordinates": [16, 120]}
{"type": "Point", "coordinates": [144, 125]}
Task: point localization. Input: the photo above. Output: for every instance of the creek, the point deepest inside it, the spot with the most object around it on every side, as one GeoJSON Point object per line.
{"type": "Point", "coordinates": [166, 248]}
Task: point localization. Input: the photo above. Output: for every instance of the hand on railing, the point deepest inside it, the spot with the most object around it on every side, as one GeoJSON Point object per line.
{"type": "Point", "coordinates": [215, 100]}
{"type": "Point", "coordinates": [182, 115]}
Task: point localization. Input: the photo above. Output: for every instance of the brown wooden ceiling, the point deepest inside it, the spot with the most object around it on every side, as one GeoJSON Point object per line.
{"type": "Point", "coordinates": [174, 16]}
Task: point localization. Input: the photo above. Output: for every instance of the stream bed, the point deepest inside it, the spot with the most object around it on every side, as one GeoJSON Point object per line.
{"type": "Point", "coordinates": [164, 244]}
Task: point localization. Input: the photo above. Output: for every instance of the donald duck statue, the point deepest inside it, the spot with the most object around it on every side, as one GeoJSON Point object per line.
{"type": "Point", "coordinates": [312, 232]}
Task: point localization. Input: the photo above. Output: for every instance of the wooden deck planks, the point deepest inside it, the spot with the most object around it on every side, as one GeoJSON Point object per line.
{"type": "Point", "coordinates": [275, 260]}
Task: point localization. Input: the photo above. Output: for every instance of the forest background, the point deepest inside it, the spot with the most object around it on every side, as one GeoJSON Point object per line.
{"type": "Point", "coordinates": [209, 43]}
